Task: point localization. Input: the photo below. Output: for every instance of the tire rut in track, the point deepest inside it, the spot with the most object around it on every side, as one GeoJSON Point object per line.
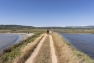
{"type": "Point", "coordinates": [44, 55]}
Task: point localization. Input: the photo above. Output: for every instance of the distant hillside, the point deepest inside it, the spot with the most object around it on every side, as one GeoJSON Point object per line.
{"type": "Point", "coordinates": [14, 27]}
{"type": "Point", "coordinates": [25, 27]}
{"type": "Point", "coordinates": [79, 27]}
{"type": "Point", "coordinates": [31, 27]}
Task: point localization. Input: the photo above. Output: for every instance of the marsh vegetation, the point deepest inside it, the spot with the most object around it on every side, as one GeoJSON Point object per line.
{"type": "Point", "coordinates": [68, 54]}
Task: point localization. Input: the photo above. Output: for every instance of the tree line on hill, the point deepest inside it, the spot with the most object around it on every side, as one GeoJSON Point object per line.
{"type": "Point", "coordinates": [14, 27]}
{"type": "Point", "coordinates": [31, 27]}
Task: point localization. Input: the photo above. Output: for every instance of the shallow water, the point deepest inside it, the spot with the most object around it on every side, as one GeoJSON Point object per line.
{"type": "Point", "coordinates": [82, 42]}
{"type": "Point", "coordinates": [8, 39]}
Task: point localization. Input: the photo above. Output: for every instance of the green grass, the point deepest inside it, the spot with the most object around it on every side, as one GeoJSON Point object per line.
{"type": "Point", "coordinates": [8, 54]}
{"type": "Point", "coordinates": [82, 56]}
{"type": "Point", "coordinates": [79, 54]}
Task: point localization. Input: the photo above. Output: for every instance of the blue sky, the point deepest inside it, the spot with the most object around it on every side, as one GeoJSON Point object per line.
{"type": "Point", "coordinates": [47, 12]}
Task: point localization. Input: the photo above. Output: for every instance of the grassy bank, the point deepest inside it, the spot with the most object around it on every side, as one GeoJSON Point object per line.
{"type": "Point", "coordinates": [72, 30]}
{"type": "Point", "coordinates": [68, 54]}
{"type": "Point", "coordinates": [21, 30]}
{"type": "Point", "coordinates": [8, 54]}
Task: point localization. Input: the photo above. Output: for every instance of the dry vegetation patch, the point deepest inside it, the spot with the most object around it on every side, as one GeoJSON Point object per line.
{"type": "Point", "coordinates": [26, 51]}
{"type": "Point", "coordinates": [67, 54]}
{"type": "Point", "coordinates": [44, 55]}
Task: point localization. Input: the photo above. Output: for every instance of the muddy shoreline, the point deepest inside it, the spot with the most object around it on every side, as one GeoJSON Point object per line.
{"type": "Point", "coordinates": [7, 39]}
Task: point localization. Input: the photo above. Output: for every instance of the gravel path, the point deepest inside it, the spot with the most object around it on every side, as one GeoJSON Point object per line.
{"type": "Point", "coordinates": [44, 55]}
{"type": "Point", "coordinates": [44, 52]}
{"type": "Point", "coordinates": [53, 55]}
{"type": "Point", "coordinates": [34, 54]}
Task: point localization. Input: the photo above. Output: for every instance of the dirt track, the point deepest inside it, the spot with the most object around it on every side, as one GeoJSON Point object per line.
{"type": "Point", "coordinates": [44, 52]}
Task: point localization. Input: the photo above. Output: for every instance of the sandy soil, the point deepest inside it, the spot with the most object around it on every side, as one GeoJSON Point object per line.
{"type": "Point", "coordinates": [25, 35]}
{"type": "Point", "coordinates": [53, 55]}
{"type": "Point", "coordinates": [34, 54]}
{"type": "Point", "coordinates": [44, 55]}
{"type": "Point", "coordinates": [41, 53]}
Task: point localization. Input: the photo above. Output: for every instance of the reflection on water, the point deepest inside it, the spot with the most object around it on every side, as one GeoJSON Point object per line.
{"type": "Point", "coordinates": [8, 39]}
{"type": "Point", "coordinates": [83, 42]}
